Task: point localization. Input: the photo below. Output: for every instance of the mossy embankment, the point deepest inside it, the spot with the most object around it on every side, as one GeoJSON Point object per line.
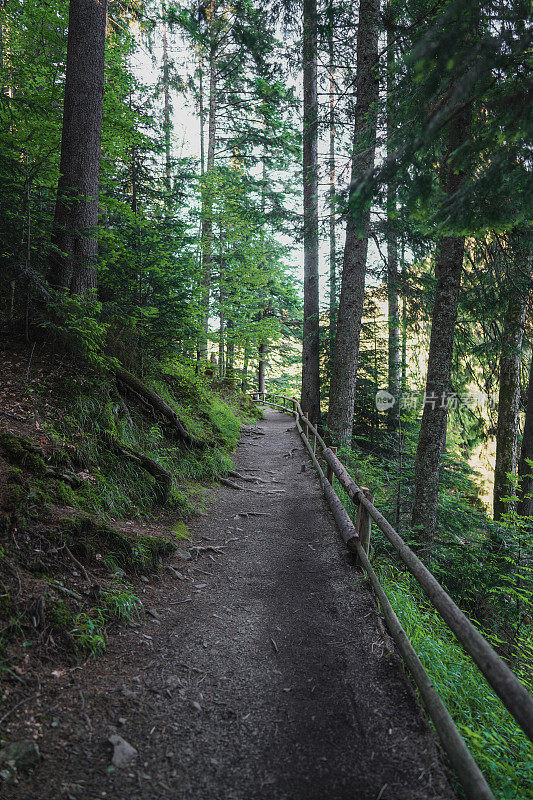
{"type": "Point", "coordinates": [98, 475]}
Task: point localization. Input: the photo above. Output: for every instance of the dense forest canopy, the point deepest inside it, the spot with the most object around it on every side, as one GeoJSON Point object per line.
{"type": "Point", "coordinates": [388, 147]}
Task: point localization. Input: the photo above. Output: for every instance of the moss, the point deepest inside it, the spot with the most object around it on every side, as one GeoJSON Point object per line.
{"type": "Point", "coordinates": [60, 614]}
{"type": "Point", "coordinates": [14, 497]}
{"type": "Point", "coordinates": [22, 451]}
{"type": "Point", "coordinates": [55, 492]}
{"type": "Point", "coordinates": [89, 537]}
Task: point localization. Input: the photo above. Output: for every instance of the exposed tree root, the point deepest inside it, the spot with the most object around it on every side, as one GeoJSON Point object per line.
{"type": "Point", "coordinates": [231, 484]}
{"type": "Point", "coordinates": [249, 478]}
{"type": "Point", "coordinates": [162, 476]}
{"type": "Point", "coordinates": [129, 383]}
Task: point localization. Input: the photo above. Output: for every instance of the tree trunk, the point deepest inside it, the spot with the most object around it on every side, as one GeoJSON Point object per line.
{"type": "Point", "coordinates": [332, 232]}
{"type": "Point", "coordinates": [392, 256]}
{"type": "Point", "coordinates": [345, 357]}
{"type": "Point", "coordinates": [525, 470]}
{"type": "Point", "coordinates": [448, 269]}
{"type": "Point", "coordinates": [207, 222]}
{"type": "Point", "coordinates": [74, 238]}
{"type": "Point", "coordinates": [310, 351]}
{"type": "Point", "coordinates": [404, 326]}
{"type": "Point", "coordinates": [167, 109]}
{"type": "Point", "coordinates": [201, 109]}
{"type": "Point", "coordinates": [508, 403]}
{"type": "Point", "coordinates": [201, 347]}
{"type": "Point", "coordinates": [230, 352]}
{"type": "Point", "coordinates": [246, 359]}
{"type": "Point", "coordinates": [221, 337]}
{"type": "Point", "coordinates": [261, 368]}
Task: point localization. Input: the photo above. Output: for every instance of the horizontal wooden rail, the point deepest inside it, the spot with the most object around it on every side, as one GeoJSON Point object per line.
{"type": "Point", "coordinates": [468, 772]}
{"type": "Point", "coordinates": [511, 692]}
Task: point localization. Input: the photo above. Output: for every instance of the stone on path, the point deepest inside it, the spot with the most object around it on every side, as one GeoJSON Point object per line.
{"type": "Point", "coordinates": [123, 752]}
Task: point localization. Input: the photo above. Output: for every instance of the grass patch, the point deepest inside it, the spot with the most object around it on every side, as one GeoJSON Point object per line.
{"type": "Point", "coordinates": [502, 751]}
{"type": "Point", "coordinates": [85, 630]}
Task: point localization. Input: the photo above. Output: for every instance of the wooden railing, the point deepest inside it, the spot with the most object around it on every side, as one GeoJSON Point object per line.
{"type": "Point", "coordinates": [509, 689]}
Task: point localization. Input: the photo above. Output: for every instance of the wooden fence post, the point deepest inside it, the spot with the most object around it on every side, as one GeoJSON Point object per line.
{"type": "Point", "coordinates": [306, 429]}
{"type": "Point", "coordinates": [331, 474]}
{"type": "Point", "coordinates": [363, 525]}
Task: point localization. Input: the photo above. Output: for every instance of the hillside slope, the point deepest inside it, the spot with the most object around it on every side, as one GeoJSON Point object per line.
{"type": "Point", "coordinates": [99, 472]}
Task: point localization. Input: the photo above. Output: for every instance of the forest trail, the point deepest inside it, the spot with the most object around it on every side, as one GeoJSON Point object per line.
{"type": "Point", "coordinates": [261, 671]}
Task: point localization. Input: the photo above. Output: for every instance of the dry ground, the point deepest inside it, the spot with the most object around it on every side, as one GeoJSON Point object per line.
{"type": "Point", "coordinates": [261, 670]}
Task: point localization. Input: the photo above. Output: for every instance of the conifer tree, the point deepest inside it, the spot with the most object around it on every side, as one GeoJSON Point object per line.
{"type": "Point", "coordinates": [348, 330]}
{"type": "Point", "coordinates": [310, 398]}
{"type": "Point", "coordinates": [74, 239]}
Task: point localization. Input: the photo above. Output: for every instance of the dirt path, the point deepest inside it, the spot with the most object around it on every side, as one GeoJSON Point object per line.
{"type": "Point", "coordinates": [265, 674]}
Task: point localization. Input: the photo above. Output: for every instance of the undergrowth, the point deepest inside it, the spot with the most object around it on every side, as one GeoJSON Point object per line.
{"type": "Point", "coordinates": [500, 748]}
{"type": "Point", "coordinates": [65, 488]}
{"type": "Point", "coordinates": [487, 569]}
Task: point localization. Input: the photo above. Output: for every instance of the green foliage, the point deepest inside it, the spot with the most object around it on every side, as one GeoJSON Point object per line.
{"type": "Point", "coordinates": [76, 325]}
{"type": "Point", "coordinates": [486, 567]}
{"type": "Point", "coordinates": [86, 630]}
{"type": "Point", "coordinates": [88, 633]}
{"type": "Point", "coordinates": [501, 749]}
{"type": "Point", "coordinates": [22, 452]}
{"type": "Point", "coordinates": [119, 601]}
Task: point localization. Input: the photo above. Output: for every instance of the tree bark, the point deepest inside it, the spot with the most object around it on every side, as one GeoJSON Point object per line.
{"type": "Point", "coordinates": [332, 231]}
{"type": "Point", "coordinates": [403, 378]}
{"type": "Point", "coordinates": [448, 269]}
{"type": "Point", "coordinates": [246, 359]}
{"type": "Point", "coordinates": [261, 368]}
{"type": "Point", "coordinates": [201, 109]}
{"type": "Point", "coordinates": [230, 352]}
{"type": "Point", "coordinates": [525, 470]}
{"type": "Point", "coordinates": [508, 403]}
{"type": "Point", "coordinates": [207, 222]}
{"type": "Point", "coordinates": [345, 357]}
{"type": "Point", "coordinates": [392, 255]}
{"type": "Point", "coordinates": [74, 238]}
{"type": "Point", "coordinates": [167, 109]}
{"type": "Point", "coordinates": [221, 336]}
{"type": "Point", "coordinates": [310, 353]}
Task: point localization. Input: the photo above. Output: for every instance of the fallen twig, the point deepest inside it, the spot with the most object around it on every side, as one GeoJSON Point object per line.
{"type": "Point", "coordinates": [207, 548]}
{"type": "Point", "coordinates": [252, 514]}
{"type": "Point", "coordinates": [78, 564]}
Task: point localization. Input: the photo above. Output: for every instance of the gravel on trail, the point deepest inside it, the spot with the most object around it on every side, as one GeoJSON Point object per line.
{"type": "Point", "coordinates": [262, 670]}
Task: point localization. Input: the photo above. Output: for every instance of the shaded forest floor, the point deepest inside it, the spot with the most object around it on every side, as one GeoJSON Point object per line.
{"type": "Point", "coordinates": [82, 522]}
{"type": "Point", "coordinates": [259, 667]}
